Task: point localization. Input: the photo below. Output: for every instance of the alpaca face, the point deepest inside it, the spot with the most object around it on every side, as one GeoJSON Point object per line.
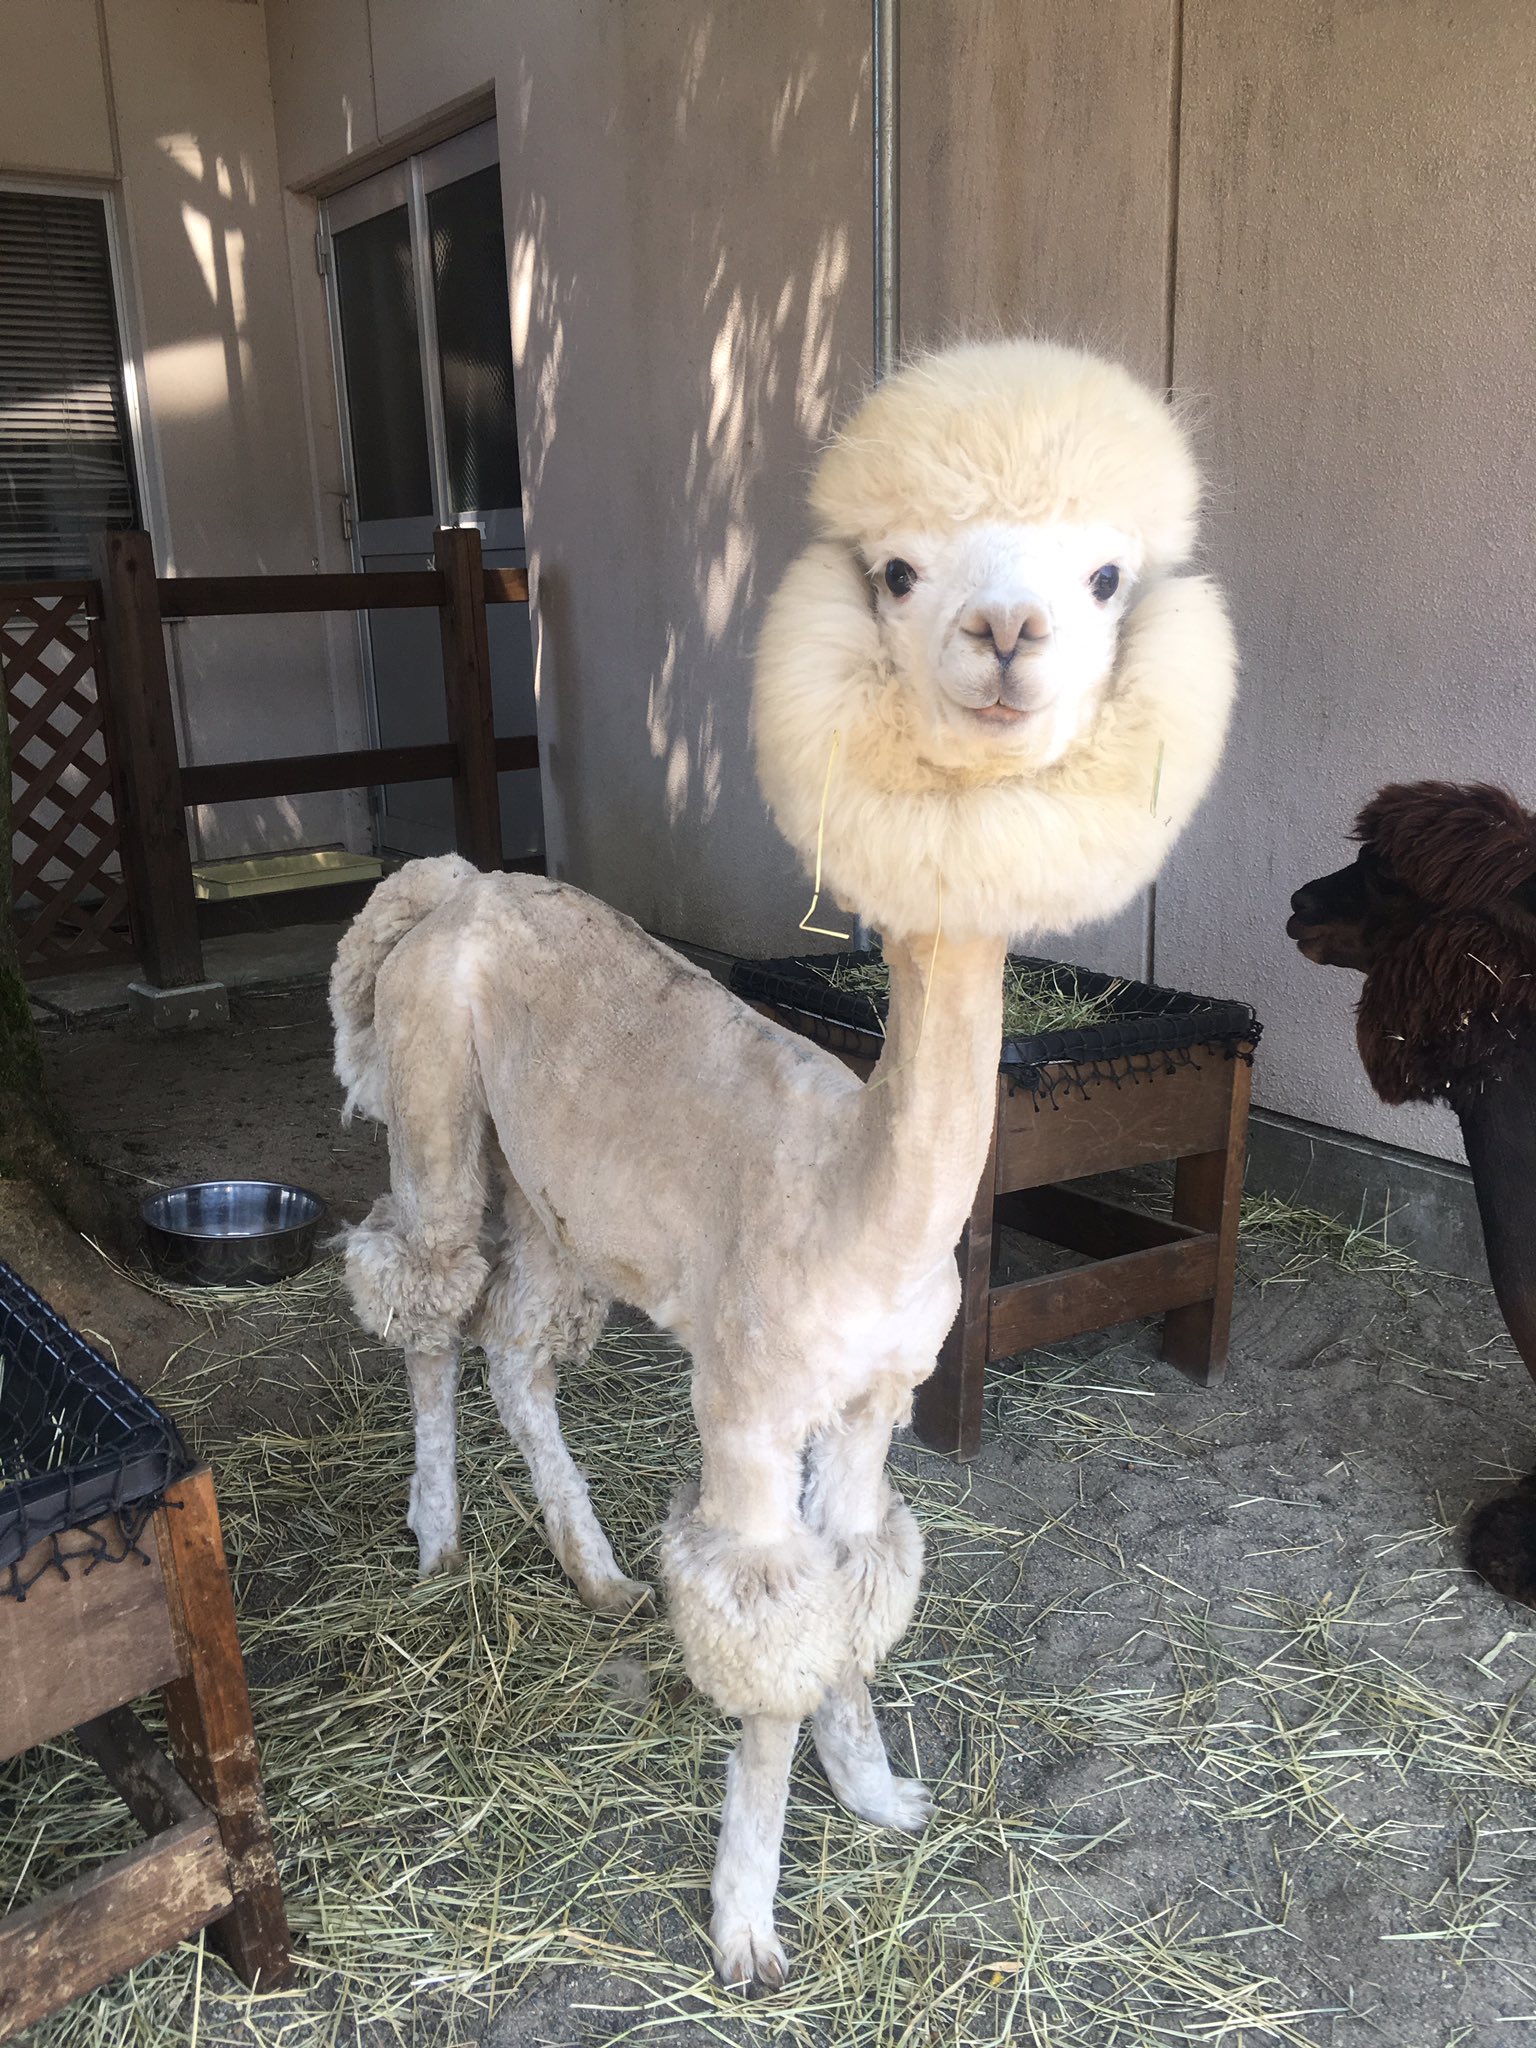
{"type": "Point", "coordinates": [1007, 633]}
{"type": "Point", "coordinates": [1351, 917]}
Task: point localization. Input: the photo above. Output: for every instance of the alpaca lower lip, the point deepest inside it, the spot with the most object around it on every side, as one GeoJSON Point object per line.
{"type": "Point", "coordinates": [1000, 714]}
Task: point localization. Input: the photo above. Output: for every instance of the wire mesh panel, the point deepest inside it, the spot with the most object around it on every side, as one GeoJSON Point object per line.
{"type": "Point", "coordinates": [78, 1442]}
{"type": "Point", "coordinates": [69, 898]}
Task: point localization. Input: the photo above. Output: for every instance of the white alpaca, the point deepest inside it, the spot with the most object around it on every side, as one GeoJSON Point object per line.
{"type": "Point", "coordinates": [1020, 706]}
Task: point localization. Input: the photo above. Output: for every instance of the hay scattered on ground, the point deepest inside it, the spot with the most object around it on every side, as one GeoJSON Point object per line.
{"type": "Point", "coordinates": [1313, 1236]}
{"type": "Point", "coordinates": [476, 1785]}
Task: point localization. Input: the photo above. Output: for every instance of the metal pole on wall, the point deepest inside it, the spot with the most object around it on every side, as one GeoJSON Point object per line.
{"type": "Point", "coordinates": [886, 125]}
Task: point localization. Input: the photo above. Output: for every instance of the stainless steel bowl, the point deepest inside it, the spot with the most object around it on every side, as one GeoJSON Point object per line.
{"type": "Point", "coordinates": [232, 1233]}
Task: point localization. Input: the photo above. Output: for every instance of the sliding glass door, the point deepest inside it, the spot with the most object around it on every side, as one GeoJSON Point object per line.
{"type": "Point", "coordinates": [417, 272]}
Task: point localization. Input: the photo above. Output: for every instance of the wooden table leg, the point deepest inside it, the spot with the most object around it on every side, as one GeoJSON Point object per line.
{"type": "Point", "coordinates": [208, 1717]}
{"type": "Point", "coordinates": [1208, 1193]}
{"type": "Point", "coordinates": [948, 1409]}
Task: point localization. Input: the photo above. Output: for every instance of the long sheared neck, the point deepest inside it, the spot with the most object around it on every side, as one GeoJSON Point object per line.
{"type": "Point", "coordinates": [925, 1118]}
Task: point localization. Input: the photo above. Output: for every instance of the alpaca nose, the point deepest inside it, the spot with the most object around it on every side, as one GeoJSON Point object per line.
{"type": "Point", "coordinates": [1008, 626]}
{"type": "Point", "coordinates": [1301, 902]}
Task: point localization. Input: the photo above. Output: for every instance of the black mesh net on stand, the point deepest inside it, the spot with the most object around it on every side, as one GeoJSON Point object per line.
{"type": "Point", "coordinates": [84, 1456]}
{"type": "Point", "coordinates": [1136, 1030]}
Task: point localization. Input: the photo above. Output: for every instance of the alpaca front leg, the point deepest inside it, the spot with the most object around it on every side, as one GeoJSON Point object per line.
{"type": "Point", "coordinates": [879, 1552]}
{"type": "Point", "coordinates": [747, 1947]}
{"type": "Point", "coordinates": [852, 1752]}
{"type": "Point", "coordinates": [761, 1615]}
{"type": "Point", "coordinates": [433, 1514]}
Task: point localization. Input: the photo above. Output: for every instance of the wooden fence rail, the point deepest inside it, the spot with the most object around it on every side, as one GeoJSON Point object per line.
{"type": "Point", "coordinates": [127, 606]}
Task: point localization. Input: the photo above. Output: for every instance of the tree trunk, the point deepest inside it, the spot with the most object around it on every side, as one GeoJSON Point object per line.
{"type": "Point", "coordinates": [35, 1142]}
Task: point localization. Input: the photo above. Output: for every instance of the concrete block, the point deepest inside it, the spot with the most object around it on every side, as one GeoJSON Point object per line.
{"type": "Point", "coordinates": [1429, 1204]}
{"type": "Point", "coordinates": [201, 1006]}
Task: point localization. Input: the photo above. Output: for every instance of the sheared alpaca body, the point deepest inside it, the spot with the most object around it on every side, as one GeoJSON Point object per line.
{"type": "Point", "coordinates": [576, 1115]}
{"type": "Point", "coordinates": [1438, 911]}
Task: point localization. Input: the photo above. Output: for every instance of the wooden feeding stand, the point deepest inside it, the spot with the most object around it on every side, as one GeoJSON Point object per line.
{"type": "Point", "coordinates": [113, 1585]}
{"type": "Point", "coordinates": [1161, 1076]}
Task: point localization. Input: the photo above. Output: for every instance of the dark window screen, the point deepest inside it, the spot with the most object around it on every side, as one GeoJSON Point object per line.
{"type": "Point", "coordinates": [384, 396]}
{"type": "Point", "coordinates": [469, 265]}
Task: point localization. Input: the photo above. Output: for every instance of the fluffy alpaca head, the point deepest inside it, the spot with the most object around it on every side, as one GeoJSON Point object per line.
{"type": "Point", "coordinates": [1439, 911]}
{"type": "Point", "coordinates": [1010, 703]}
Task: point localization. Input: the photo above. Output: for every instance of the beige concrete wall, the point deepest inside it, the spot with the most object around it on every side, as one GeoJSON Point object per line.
{"type": "Point", "coordinates": [1036, 193]}
{"type": "Point", "coordinates": [210, 258]}
{"type": "Point", "coordinates": [686, 197]}
{"type": "Point", "coordinates": [174, 97]}
{"type": "Point", "coordinates": [1355, 314]}
{"type": "Point", "coordinates": [55, 110]}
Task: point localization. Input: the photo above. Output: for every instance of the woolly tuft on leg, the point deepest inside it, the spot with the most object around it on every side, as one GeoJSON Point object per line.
{"type": "Point", "coordinates": [415, 1292]}
{"type": "Point", "coordinates": [1501, 1543]}
{"type": "Point", "coordinates": [763, 1625]}
{"type": "Point", "coordinates": [884, 1574]}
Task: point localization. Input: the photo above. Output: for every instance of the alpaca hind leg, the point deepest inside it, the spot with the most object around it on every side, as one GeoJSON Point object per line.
{"type": "Point", "coordinates": [433, 1514]}
{"type": "Point", "coordinates": [539, 1312]}
{"type": "Point", "coordinates": [747, 1949]}
{"type": "Point", "coordinates": [880, 1557]}
{"type": "Point", "coordinates": [414, 1267]}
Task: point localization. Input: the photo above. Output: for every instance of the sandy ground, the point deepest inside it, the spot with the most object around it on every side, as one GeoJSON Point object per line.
{"type": "Point", "coordinates": [1228, 1746]}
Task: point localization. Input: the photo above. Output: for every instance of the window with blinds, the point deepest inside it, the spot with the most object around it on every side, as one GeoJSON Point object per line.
{"type": "Point", "coordinates": [66, 468]}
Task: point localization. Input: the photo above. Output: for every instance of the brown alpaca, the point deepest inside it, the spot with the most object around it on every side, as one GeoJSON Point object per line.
{"type": "Point", "coordinates": [1439, 912]}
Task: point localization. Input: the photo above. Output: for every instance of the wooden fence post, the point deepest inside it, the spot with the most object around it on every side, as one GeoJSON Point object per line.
{"type": "Point", "coordinates": [467, 683]}
{"type": "Point", "coordinates": [151, 820]}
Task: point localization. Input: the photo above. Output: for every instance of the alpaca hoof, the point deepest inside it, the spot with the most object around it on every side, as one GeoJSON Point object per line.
{"type": "Point", "coordinates": [1501, 1543]}
{"type": "Point", "coordinates": [440, 1558]}
{"type": "Point", "coordinates": [749, 1958]}
{"type": "Point", "coordinates": [617, 1598]}
{"type": "Point", "coordinates": [904, 1803]}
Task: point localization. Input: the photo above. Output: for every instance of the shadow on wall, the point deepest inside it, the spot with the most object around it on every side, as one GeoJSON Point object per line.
{"type": "Point", "coordinates": [208, 366]}
{"type": "Point", "coordinates": [221, 369]}
{"type": "Point", "coordinates": [687, 321]}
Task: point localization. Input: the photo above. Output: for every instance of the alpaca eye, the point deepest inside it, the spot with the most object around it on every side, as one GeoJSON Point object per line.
{"type": "Point", "coordinates": [1105, 582]}
{"type": "Point", "coordinates": [899, 577]}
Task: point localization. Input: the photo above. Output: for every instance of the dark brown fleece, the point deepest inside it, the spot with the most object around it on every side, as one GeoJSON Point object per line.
{"type": "Point", "coordinates": [1445, 1003]}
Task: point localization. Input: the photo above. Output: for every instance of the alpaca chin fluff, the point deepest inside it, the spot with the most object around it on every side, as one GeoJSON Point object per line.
{"type": "Point", "coordinates": [1439, 912]}
{"type": "Point", "coordinates": [988, 702]}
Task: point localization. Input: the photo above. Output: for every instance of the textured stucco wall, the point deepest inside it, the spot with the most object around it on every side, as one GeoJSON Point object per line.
{"type": "Point", "coordinates": [55, 113]}
{"type": "Point", "coordinates": [1356, 320]}
{"type": "Point", "coordinates": [1036, 194]}
{"type": "Point", "coordinates": [1353, 237]}
{"type": "Point", "coordinates": [686, 199]}
{"type": "Point", "coordinates": [168, 104]}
